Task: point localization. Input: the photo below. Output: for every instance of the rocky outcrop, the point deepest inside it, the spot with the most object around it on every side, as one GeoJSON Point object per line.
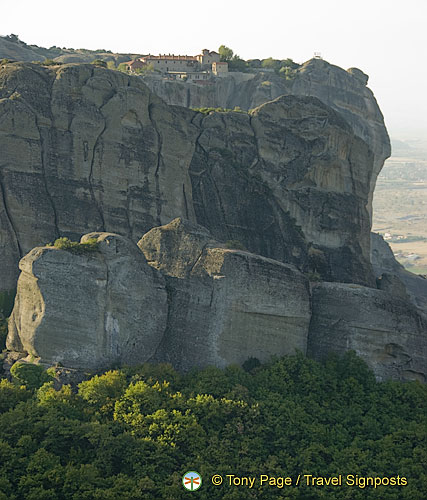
{"type": "Point", "coordinates": [84, 148]}
{"type": "Point", "coordinates": [14, 49]}
{"type": "Point", "coordinates": [214, 306]}
{"type": "Point", "coordinates": [345, 91]}
{"type": "Point", "coordinates": [385, 330]}
{"type": "Point", "coordinates": [383, 261]}
{"type": "Point", "coordinates": [288, 170]}
{"type": "Point", "coordinates": [87, 149]}
{"type": "Point", "coordinates": [17, 50]}
{"type": "Point", "coordinates": [81, 151]}
{"type": "Point", "coordinates": [89, 310]}
{"type": "Point", "coordinates": [225, 305]}
{"type": "Point", "coordinates": [184, 298]}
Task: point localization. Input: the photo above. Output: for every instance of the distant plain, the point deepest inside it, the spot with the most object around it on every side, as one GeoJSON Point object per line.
{"type": "Point", "coordinates": [400, 203]}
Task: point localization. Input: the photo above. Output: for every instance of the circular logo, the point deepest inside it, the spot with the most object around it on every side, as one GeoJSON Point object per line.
{"type": "Point", "coordinates": [192, 480]}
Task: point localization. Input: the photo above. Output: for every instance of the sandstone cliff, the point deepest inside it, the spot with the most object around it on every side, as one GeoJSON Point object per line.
{"type": "Point", "coordinates": [383, 328]}
{"type": "Point", "coordinates": [84, 148]}
{"type": "Point", "coordinates": [187, 299]}
{"type": "Point", "coordinates": [209, 305]}
{"type": "Point", "coordinates": [91, 310]}
{"type": "Point", "coordinates": [344, 91]}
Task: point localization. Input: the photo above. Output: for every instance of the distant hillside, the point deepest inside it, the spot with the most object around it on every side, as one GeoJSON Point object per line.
{"type": "Point", "coordinates": [11, 47]}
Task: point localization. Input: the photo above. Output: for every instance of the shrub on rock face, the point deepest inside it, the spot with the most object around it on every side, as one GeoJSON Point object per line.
{"type": "Point", "coordinates": [49, 62]}
{"type": "Point", "coordinates": [100, 63]}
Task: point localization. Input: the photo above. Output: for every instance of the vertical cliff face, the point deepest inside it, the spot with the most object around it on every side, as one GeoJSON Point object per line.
{"type": "Point", "coordinates": [184, 298]}
{"type": "Point", "coordinates": [383, 328]}
{"type": "Point", "coordinates": [344, 91]}
{"type": "Point", "coordinates": [289, 170]}
{"type": "Point", "coordinates": [84, 148]}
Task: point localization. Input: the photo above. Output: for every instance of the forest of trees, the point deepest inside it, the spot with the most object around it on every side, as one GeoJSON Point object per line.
{"type": "Point", "coordinates": [132, 433]}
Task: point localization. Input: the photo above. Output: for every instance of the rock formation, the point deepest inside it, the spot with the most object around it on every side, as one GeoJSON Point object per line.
{"type": "Point", "coordinates": [186, 299]}
{"type": "Point", "coordinates": [88, 310]}
{"type": "Point", "coordinates": [385, 330]}
{"type": "Point", "coordinates": [383, 261]}
{"type": "Point", "coordinates": [214, 306]}
{"type": "Point", "coordinates": [344, 91]}
{"type": "Point", "coordinates": [225, 305]}
{"type": "Point", "coordinates": [84, 148]}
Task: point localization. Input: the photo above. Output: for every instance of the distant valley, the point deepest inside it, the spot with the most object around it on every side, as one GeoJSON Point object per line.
{"type": "Point", "coordinates": [400, 203]}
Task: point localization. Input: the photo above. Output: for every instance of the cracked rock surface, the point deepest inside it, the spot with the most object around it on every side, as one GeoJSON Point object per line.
{"type": "Point", "coordinates": [195, 303]}
{"type": "Point", "coordinates": [386, 331]}
{"type": "Point", "coordinates": [88, 311]}
{"type": "Point", "coordinates": [88, 149]}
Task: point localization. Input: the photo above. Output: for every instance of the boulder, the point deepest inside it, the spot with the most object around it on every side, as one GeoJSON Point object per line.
{"type": "Point", "coordinates": [88, 310]}
{"type": "Point", "coordinates": [383, 261]}
{"type": "Point", "coordinates": [225, 305]}
{"type": "Point", "coordinates": [386, 331]}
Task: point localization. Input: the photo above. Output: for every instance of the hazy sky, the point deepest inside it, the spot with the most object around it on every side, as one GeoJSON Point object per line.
{"type": "Point", "coordinates": [385, 38]}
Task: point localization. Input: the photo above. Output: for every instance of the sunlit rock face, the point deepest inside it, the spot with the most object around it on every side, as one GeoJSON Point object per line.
{"type": "Point", "coordinates": [260, 203]}
{"type": "Point", "coordinates": [180, 292]}
{"type": "Point", "coordinates": [108, 307]}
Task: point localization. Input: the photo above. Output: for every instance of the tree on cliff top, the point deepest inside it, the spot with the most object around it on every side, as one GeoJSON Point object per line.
{"type": "Point", "coordinates": [225, 53]}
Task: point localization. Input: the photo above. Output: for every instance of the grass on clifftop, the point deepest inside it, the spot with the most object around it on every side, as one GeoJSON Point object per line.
{"type": "Point", "coordinates": [91, 245]}
{"type": "Point", "coordinates": [207, 111]}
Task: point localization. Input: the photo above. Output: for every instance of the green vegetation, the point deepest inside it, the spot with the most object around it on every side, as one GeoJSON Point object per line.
{"type": "Point", "coordinates": [91, 245]}
{"type": "Point", "coordinates": [148, 68]}
{"type": "Point", "coordinates": [50, 62]}
{"type": "Point", "coordinates": [100, 63]}
{"type": "Point", "coordinates": [207, 111]}
{"type": "Point", "coordinates": [30, 375]}
{"type": "Point", "coordinates": [235, 63]}
{"type": "Point", "coordinates": [287, 72]}
{"type": "Point", "coordinates": [314, 276]}
{"type": "Point", "coordinates": [122, 67]}
{"type": "Point", "coordinates": [225, 53]}
{"type": "Point", "coordinates": [132, 433]}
